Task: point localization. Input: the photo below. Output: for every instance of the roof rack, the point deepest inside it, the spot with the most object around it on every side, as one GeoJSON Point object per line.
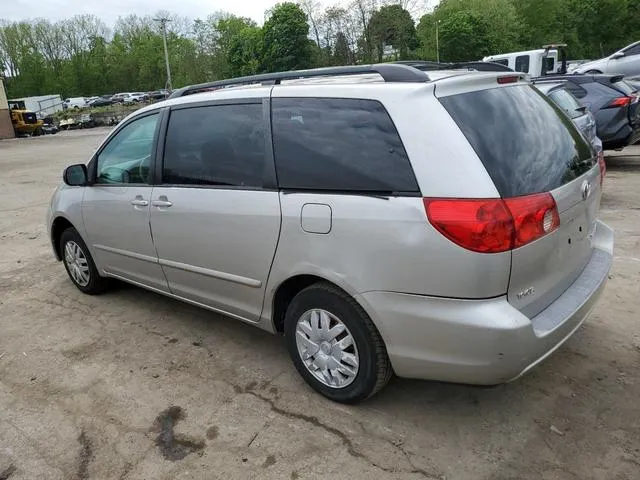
{"type": "Point", "coordinates": [478, 66]}
{"type": "Point", "coordinates": [390, 72]}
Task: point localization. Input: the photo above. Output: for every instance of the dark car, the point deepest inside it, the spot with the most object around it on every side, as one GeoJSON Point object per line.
{"type": "Point", "coordinates": [103, 101]}
{"type": "Point", "coordinates": [158, 94]}
{"type": "Point", "coordinates": [614, 103]}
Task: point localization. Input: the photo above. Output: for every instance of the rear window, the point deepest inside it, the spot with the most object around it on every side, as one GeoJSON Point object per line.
{"type": "Point", "coordinates": [623, 87]}
{"type": "Point", "coordinates": [567, 102]}
{"type": "Point", "coordinates": [524, 142]}
{"type": "Point", "coordinates": [522, 63]}
{"type": "Point", "coordinates": [345, 145]}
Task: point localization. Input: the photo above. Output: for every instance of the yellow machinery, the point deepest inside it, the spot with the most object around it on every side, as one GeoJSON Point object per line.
{"type": "Point", "coordinates": [23, 120]}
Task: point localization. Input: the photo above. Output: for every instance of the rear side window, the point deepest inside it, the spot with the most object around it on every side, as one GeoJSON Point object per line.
{"type": "Point", "coordinates": [549, 64]}
{"type": "Point", "coordinates": [524, 142]}
{"type": "Point", "coordinates": [576, 90]}
{"type": "Point", "coordinates": [522, 63]}
{"type": "Point", "coordinates": [567, 102]}
{"type": "Point", "coordinates": [346, 145]}
{"type": "Point", "coordinates": [502, 61]}
{"type": "Point", "coordinates": [220, 145]}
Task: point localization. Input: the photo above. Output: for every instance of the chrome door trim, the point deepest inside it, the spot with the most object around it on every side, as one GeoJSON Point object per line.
{"type": "Point", "coordinates": [249, 282]}
{"type": "Point", "coordinates": [127, 253]}
{"type": "Point", "coordinates": [182, 299]}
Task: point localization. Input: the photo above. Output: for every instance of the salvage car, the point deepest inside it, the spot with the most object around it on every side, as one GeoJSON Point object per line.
{"type": "Point", "coordinates": [329, 206]}
{"type": "Point", "coordinates": [613, 102]}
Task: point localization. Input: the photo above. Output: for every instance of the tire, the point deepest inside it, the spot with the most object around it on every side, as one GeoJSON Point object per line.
{"type": "Point", "coordinates": [374, 368]}
{"type": "Point", "coordinates": [95, 284]}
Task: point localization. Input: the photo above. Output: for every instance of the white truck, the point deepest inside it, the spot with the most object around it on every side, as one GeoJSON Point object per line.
{"type": "Point", "coordinates": [550, 59]}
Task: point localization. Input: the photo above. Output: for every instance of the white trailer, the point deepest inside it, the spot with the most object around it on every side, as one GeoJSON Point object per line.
{"type": "Point", "coordinates": [42, 105]}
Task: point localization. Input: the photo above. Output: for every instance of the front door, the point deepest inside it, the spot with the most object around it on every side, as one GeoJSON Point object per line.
{"type": "Point", "coordinates": [215, 224]}
{"type": "Point", "coordinates": [115, 208]}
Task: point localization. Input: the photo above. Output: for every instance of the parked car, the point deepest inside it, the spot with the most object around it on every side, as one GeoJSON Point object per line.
{"type": "Point", "coordinates": [158, 94]}
{"type": "Point", "coordinates": [103, 101]}
{"type": "Point", "coordinates": [326, 212]}
{"type": "Point", "coordinates": [578, 113]}
{"type": "Point", "coordinates": [625, 62]}
{"type": "Point", "coordinates": [136, 97]}
{"type": "Point", "coordinates": [119, 97]}
{"type": "Point", "coordinates": [75, 103]}
{"type": "Point", "coordinates": [612, 101]}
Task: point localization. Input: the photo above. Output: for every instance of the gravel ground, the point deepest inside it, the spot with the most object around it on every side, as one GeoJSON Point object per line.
{"type": "Point", "coordinates": [132, 385]}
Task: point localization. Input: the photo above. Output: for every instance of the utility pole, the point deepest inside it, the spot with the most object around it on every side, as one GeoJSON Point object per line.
{"type": "Point", "coordinates": [437, 43]}
{"type": "Point", "coordinates": [163, 24]}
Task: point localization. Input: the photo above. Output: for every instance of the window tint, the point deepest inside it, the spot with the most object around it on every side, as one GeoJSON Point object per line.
{"type": "Point", "coordinates": [127, 156]}
{"type": "Point", "coordinates": [339, 145]}
{"type": "Point", "coordinates": [524, 142]}
{"type": "Point", "coordinates": [502, 61]}
{"type": "Point", "coordinates": [567, 102]}
{"type": "Point", "coordinates": [215, 145]}
{"type": "Point", "coordinates": [549, 64]}
{"type": "Point", "coordinates": [633, 50]}
{"type": "Point", "coordinates": [522, 63]}
{"type": "Point", "coordinates": [576, 90]}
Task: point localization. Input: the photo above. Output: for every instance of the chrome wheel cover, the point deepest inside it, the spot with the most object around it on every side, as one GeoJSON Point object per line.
{"type": "Point", "coordinates": [327, 348]}
{"type": "Point", "coordinates": [77, 263]}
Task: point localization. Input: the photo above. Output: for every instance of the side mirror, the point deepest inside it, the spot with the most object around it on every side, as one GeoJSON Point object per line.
{"type": "Point", "coordinates": [75, 175]}
{"type": "Point", "coordinates": [617, 55]}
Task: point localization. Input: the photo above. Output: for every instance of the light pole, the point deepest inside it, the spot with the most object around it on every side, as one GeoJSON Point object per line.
{"type": "Point", "coordinates": [437, 43]}
{"type": "Point", "coordinates": [163, 24]}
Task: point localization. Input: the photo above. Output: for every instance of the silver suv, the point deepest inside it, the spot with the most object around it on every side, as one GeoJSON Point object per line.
{"type": "Point", "coordinates": [437, 225]}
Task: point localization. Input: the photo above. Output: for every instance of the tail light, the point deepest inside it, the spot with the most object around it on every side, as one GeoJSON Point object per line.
{"type": "Point", "coordinates": [603, 167]}
{"type": "Point", "coordinates": [620, 102]}
{"type": "Point", "coordinates": [493, 225]}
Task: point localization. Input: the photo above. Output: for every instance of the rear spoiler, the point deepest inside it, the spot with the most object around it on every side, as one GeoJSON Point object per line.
{"type": "Point", "coordinates": [616, 78]}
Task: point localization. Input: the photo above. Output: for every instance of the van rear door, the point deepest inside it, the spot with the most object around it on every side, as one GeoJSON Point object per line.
{"type": "Point", "coordinates": [528, 147]}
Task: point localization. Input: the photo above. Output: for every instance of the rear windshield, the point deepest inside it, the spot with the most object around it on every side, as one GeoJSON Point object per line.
{"type": "Point", "coordinates": [526, 144]}
{"type": "Point", "coordinates": [567, 102]}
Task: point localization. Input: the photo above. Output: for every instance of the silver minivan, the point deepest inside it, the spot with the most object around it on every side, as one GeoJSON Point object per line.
{"type": "Point", "coordinates": [385, 220]}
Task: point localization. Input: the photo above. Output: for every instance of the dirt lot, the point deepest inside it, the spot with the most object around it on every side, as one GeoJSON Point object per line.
{"type": "Point", "coordinates": [132, 385]}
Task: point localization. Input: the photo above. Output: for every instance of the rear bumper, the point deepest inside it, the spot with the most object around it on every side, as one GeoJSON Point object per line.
{"type": "Point", "coordinates": [483, 342]}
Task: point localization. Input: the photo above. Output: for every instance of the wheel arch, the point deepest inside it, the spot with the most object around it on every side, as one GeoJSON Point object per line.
{"type": "Point", "coordinates": [289, 288]}
{"type": "Point", "coordinates": [59, 225]}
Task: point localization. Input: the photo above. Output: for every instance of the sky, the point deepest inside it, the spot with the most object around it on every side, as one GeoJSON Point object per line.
{"type": "Point", "coordinates": [110, 10]}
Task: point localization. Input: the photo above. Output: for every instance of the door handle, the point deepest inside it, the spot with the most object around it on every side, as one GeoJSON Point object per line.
{"type": "Point", "coordinates": [162, 202]}
{"type": "Point", "coordinates": [139, 202]}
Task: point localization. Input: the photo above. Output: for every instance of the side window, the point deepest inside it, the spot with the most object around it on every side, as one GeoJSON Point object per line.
{"type": "Point", "coordinates": [345, 145]}
{"type": "Point", "coordinates": [502, 61]}
{"type": "Point", "coordinates": [576, 90]}
{"type": "Point", "coordinates": [522, 64]}
{"type": "Point", "coordinates": [549, 64]}
{"type": "Point", "coordinates": [633, 51]}
{"type": "Point", "coordinates": [215, 145]}
{"type": "Point", "coordinates": [127, 156]}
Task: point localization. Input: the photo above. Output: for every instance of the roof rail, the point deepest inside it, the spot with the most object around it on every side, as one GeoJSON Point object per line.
{"type": "Point", "coordinates": [478, 66]}
{"type": "Point", "coordinates": [390, 72]}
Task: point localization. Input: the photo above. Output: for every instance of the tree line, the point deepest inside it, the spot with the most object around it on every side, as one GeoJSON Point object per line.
{"type": "Point", "coordinates": [82, 56]}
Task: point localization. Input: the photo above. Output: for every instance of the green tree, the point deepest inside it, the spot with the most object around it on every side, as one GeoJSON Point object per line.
{"type": "Point", "coordinates": [286, 46]}
{"type": "Point", "coordinates": [393, 25]}
{"type": "Point", "coordinates": [341, 51]}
